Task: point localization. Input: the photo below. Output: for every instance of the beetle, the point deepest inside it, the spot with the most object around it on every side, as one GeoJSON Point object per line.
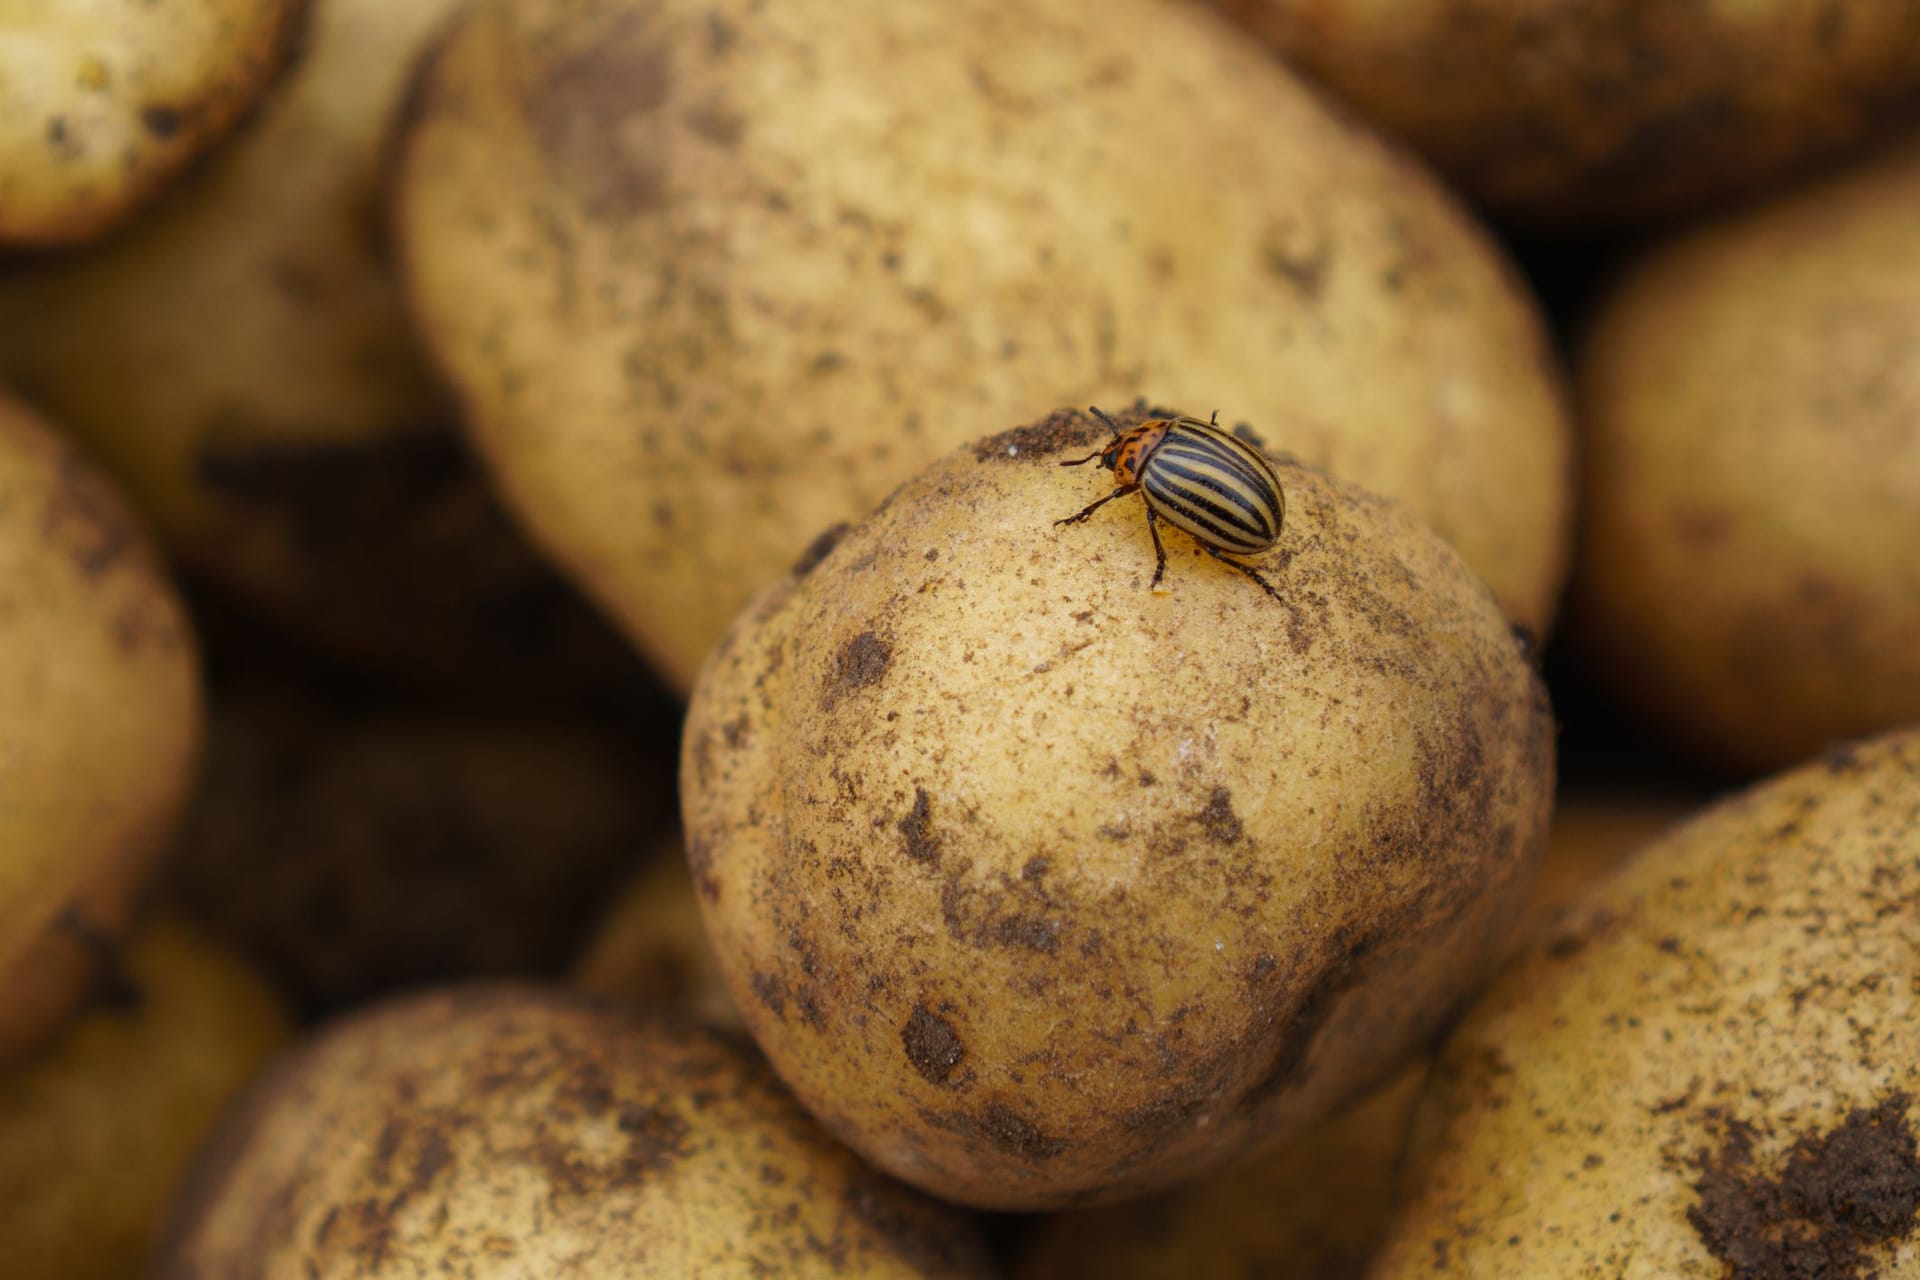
{"type": "Point", "coordinates": [1215, 486]}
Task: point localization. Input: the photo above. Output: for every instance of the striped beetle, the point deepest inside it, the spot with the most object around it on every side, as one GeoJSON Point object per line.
{"type": "Point", "coordinates": [1213, 485]}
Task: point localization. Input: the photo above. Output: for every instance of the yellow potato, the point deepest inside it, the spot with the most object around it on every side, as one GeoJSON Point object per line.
{"type": "Point", "coordinates": [711, 277]}
{"type": "Point", "coordinates": [357, 853]}
{"type": "Point", "coordinates": [97, 1127]}
{"type": "Point", "coordinates": [1712, 1070]}
{"type": "Point", "coordinates": [100, 721]}
{"type": "Point", "coordinates": [102, 104]}
{"type": "Point", "coordinates": [652, 947]}
{"type": "Point", "coordinates": [1748, 573]}
{"type": "Point", "coordinates": [242, 362]}
{"type": "Point", "coordinates": [515, 1132]}
{"type": "Point", "coordinates": [1041, 888]}
{"type": "Point", "coordinates": [1607, 111]}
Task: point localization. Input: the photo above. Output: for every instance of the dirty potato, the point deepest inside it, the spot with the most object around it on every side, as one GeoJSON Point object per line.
{"type": "Point", "coordinates": [1751, 449]}
{"type": "Point", "coordinates": [1042, 888]}
{"type": "Point", "coordinates": [653, 948]}
{"type": "Point", "coordinates": [241, 361]}
{"type": "Point", "coordinates": [101, 104]}
{"type": "Point", "coordinates": [1609, 111]}
{"type": "Point", "coordinates": [97, 1126]}
{"type": "Point", "coordinates": [354, 853]}
{"type": "Point", "coordinates": [513, 1132]}
{"type": "Point", "coordinates": [1710, 1070]}
{"type": "Point", "coordinates": [99, 722]}
{"type": "Point", "coordinates": [710, 277]}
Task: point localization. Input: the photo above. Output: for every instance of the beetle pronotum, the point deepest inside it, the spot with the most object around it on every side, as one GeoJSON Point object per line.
{"type": "Point", "coordinates": [1215, 486]}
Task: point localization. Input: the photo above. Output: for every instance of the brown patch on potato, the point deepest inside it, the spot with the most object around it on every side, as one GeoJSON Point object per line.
{"type": "Point", "coordinates": [1218, 819]}
{"type": "Point", "coordinates": [1003, 1128]}
{"type": "Point", "coordinates": [932, 1045]}
{"type": "Point", "coordinates": [820, 548]}
{"type": "Point", "coordinates": [1840, 1194]}
{"type": "Point", "coordinates": [588, 113]}
{"type": "Point", "coordinates": [862, 661]}
{"type": "Point", "coordinates": [918, 840]}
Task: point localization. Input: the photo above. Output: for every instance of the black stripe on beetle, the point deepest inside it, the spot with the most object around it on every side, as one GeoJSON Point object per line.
{"type": "Point", "coordinates": [1213, 486]}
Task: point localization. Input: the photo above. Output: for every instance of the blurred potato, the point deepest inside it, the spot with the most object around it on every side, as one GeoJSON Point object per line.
{"type": "Point", "coordinates": [1749, 573]}
{"type": "Point", "coordinates": [1591, 112]}
{"type": "Point", "coordinates": [97, 1127]}
{"type": "Point", "coordinates": [102, 104]}
{"type": "Point", "coordinates": [354, 852]}
{"type": "Point", "coordinates": [1710, 1069]}
{"type": "Point", "coordinates": [512, 1132]}
{"type": "Point", "coordinates": [652, 947]}
{"type": "Point", "coordinates": [242, 362]}
{"type": "Point", "coordinates": [100, 723]}
{"type": "Point", "coordinates": [711, 278]}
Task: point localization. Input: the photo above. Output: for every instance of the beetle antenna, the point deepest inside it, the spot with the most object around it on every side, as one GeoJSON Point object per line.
{"type": "Point", "coordinates": [1111, 424]}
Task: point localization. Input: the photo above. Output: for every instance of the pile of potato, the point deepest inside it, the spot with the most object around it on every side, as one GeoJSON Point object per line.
{"type": "Point", "coordinates": [583, 690]}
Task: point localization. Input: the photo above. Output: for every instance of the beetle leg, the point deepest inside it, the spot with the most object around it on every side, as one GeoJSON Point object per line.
{"type": "Point", "coordinates": [1078, 516]}
{"type": "Point", "coordinates": [1159, 552]}
{"type": "Point", "coordinates": [1247, 569]}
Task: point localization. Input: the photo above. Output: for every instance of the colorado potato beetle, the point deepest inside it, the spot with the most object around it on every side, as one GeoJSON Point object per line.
{"type": "Point", "coordinates": [1216, 487]}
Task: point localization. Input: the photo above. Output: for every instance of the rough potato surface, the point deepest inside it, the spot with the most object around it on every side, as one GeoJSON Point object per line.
{"type": "Point", "coordinates": [710, 277]}
{"type": "Point", "coordinates": [1041, 888]}
{"type": "Point", "coordinates": [101, 103]}
{"type": "Point", "coordinates": [1710, 1071]}
{"type": "Point", "coordinates": [1610, 111]}
{"type": "Point", "coordinates": [100, 723]}
{"type": "Point", "coordinates": [1749, 569]}
{"type": "Point", "coordinates": [496, 1133]}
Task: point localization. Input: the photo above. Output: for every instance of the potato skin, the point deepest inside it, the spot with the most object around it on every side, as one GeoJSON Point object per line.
{"type": "Point", "coordinates": [518, 1131]}
{"type": "Point", "coordinates": [100, 682]}
{"type": "Point", "coordinates": [1595, 112]}
{"type": "Point", "coordinates": [101, 105]}
{"type": "Point", "coordinates": [98, 1126]}
{"type": "Point", "coordinates": [1041, 889]}
{"type": "Point", "coordinates": [710, 277]}
{"type": "Point", "coordinates": [1726, 1025]}
{"type": "Point", "coordinates": [1751, 488]}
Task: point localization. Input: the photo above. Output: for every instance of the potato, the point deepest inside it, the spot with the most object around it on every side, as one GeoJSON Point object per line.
{"type": "Point", "coordinates": [242, 362]}
{"type": "Point", "coordinates": [1316, 1208]}
{"type": "Point", "coordinates": [711, 277]}
{"type": "Point", "coordinates": [1040, 888]}
{"type": "Point", "coordinates": [100, 105]}
{"type": "Point", "coordinates": [1712, 1070]}
{"type": "Point", "coordinates": [100, 722]}
{"type": "Point", "coordinates": [653, 948]}
{"type": "Point", "coordinates": [1589, 112]}
{"type": "Point", "coordinates": [1748, 576]}
{"type": "Point", "coordinates": [512, 1132]}
{"type": "Point", "coordinates": [357, 853]}
{"type": "Point", "coordinates": [97, 1127]}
